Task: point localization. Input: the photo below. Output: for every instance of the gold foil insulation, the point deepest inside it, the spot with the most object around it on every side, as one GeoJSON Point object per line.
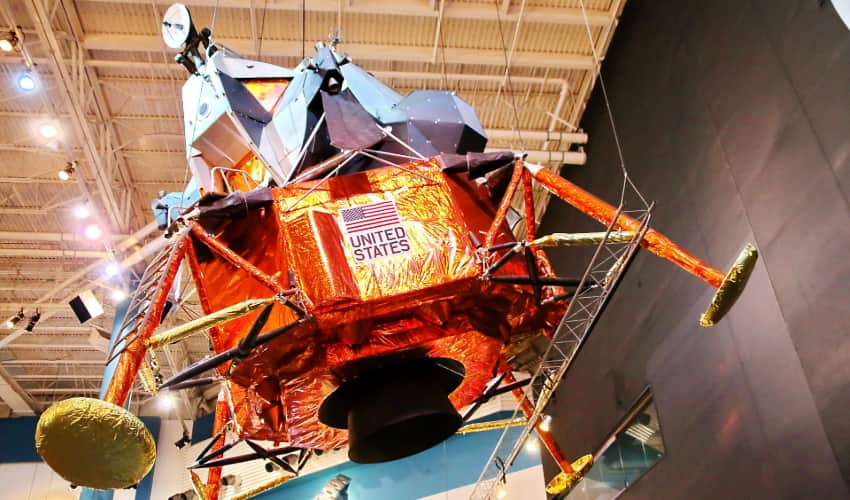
{"type": "Point", "coordinates": [214, 319]}
{"type": "Point", "coordinates": [581, 239]}
{"type": "Point", "coordinates": [198, 485]}
{"type": "Point", "coordinates": [731, 287]}
{"type": "Point", "coordinates": [564, 481]}
{"type": "Point", "coordinates": [96, 444]}
{"type": "Point", "coordinates": [256, 490]}
{"type": "Point", "coordinates": [492, 425]}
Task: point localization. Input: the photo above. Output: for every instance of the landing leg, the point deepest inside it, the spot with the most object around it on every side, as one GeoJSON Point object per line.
{"type": "Point", "coordinates": [729, 285]}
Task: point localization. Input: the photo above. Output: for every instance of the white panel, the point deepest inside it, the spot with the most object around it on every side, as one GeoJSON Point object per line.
{"type": "Point", "coordinates": [170, 475]}
{"type": "Point", "coordinates": [34, 481]}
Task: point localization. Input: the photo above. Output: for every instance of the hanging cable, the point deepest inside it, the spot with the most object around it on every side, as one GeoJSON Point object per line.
{"type": "Point", "coordinates": [596, 69]}
{"type": "Point", "coordinates": [262, 29]}
{"type": "Point", "coordinates": [508, 71]}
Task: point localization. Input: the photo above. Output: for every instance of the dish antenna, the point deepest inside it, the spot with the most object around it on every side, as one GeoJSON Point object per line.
{"type": "Point", "coordinates": [179, 33]}
{"type": "Point", "coordinates": [177, 27]}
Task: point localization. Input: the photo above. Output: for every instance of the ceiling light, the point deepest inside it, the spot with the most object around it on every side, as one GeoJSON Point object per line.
{"type": "Point", "coordinates": [81, 212]}
{"type": "Point", "coordinates": [532, 445]}
{"type": "Point", "coordinates": [68, 171]}
{"type": "Point", "coordinates": [33, 321]}
{"type": "Point", "coordinates": [545, 423]}
{"type": "Point", "coordinates": [15, 319]}
{"type": "Point", "coordinates": [93, 232]}
{"type": "Point", "coordinates": [112, 269]}
{"type": "Point", "coordinates": [48, 130]}
{"type": "Point", "coordinates": [8, 41]}
{"type": "Point", "coordinates": [118, 295]}
{"type": "Point", "coordinates": [26, 82]}
{"type": "Point", "coordinates": [165, 401]}
{"type": "Point", "coordinates": [501, 491]}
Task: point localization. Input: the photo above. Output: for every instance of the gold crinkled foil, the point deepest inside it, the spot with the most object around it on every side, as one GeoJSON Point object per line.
{"type": "Point", "coordinates": [96, 444]}
{"type": "Point", "coordinates": [222, 316]}
{"type": "Point", "coordinates": [731, 286]}
{"type": "Point", "coordinates": [581, 239]}
{"type": "Point", "coordinates": [492, 425]}
{"type": "Point", "coordinates": [198, 486]}
{"type": "Point", "coordinates": [563, 481]}
{"type": "Point", "coordinates": [272, 483]}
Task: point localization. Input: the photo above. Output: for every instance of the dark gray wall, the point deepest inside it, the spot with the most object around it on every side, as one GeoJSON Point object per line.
{"type": "Point", "coordinates": [735, 117]}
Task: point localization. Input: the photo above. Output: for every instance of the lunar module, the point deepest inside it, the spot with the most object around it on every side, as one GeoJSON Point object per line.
{"type": "Point", "coordinates": [353, 252]}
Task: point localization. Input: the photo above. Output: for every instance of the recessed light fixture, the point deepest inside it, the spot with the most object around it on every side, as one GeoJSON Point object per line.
{"type": "Point", "coordinates": [48, 130]}
{"type": "Point", "coordinates": [26, 81]}
{"type": "Point", "coordinates": [81, 212]}
{"type": "Point", "coordinates": [118, 295]}
{"type": "Point", "coordinates": [93, 232]}
{"type": "Point", "coordinates": [112, 269]}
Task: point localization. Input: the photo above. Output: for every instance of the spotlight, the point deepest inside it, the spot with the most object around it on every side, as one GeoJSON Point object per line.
{"type": "Point", "coordinates": [15, 319]}
{"type": "Point", "coordinates": [26, 82]}
{"type": "Point", "coordinates": [33, 321]}
{"type": "Point", "coordinates": [48, 130]}
{"type": "Point", "coordinates": [183, 441]}
{"type": "Point", "coordinates": [270, 467]}
{"type": "Point", "coordinates": [231, 480]}
{"type": "Point", "coordinates": [501, 491]}
{"type": "Point", "coordinates": [546, 423]}
{"type": "Point", "coordinates": [186, 495]}
{"type": "Point", "coordinates": [68, 171]}
{"type": "Point", "coordinates": [8, 42]}
{"type": "Point", "coordinates": [81, 212]}
{"type": "Point", "coordinates": [93, 232]}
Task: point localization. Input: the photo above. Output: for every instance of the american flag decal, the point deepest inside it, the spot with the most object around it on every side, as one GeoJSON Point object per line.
{"type": "Point", "coordinates": [370, 217]}
{"type": "Point", "coordinates": [374, 231]}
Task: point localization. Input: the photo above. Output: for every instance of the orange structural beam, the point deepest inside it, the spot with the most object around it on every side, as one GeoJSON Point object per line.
{"type": "Point", "coordinates": [653, 241]}
{"type": "Point", "coordinates": [133, 356]}
{"type": "Point", "coordinates": [234, 258]}
{"type": "Point", "coordinates": [545, 437]}
{"type": "Point", "coordinates": [221, 417]}
{"type": "Point", "coordinates": [504, 206]}
{"type": "Point", "coordinates": [528, 199]}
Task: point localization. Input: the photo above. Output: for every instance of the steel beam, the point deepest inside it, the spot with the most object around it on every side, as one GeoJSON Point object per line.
{"type": "Point", "coordinates": [290, 48]}
{"type": "Point", "coordinates": [14, 395]}
{"type": "Point", "coordinates": [417, 8]}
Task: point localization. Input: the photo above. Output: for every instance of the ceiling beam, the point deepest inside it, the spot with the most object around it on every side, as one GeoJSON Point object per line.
{"type": "Point", "coordinates": [60, 237]}
{"type": "Point", "coordinates": [57, 376]}
{"type": "Point", "coordinates": [292, 48]}
{"type": "Point", "coordinates": [24, 362]}
{"type": "Point", "coordinates": [72, 98]}
{"type": "Point", "coordinates": [416, 8]}
{"type": "Point", "coordinates": [44, 253]}
{"type": "Point", "coordinates": [15, 396]}
{"type": "Point", "coordinates": [76, 390]}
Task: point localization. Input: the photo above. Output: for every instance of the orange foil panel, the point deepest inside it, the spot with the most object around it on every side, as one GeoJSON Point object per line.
{"type": "Point", "coordinates": [386, 267]}
{"type": "Point", "coordinates": [479, 355]}
{"type": "Point", "coordinates": [302, 397]}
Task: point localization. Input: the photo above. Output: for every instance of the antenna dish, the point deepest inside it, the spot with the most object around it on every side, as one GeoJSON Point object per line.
{"type": "Point", "coordinates": [177, 26]}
